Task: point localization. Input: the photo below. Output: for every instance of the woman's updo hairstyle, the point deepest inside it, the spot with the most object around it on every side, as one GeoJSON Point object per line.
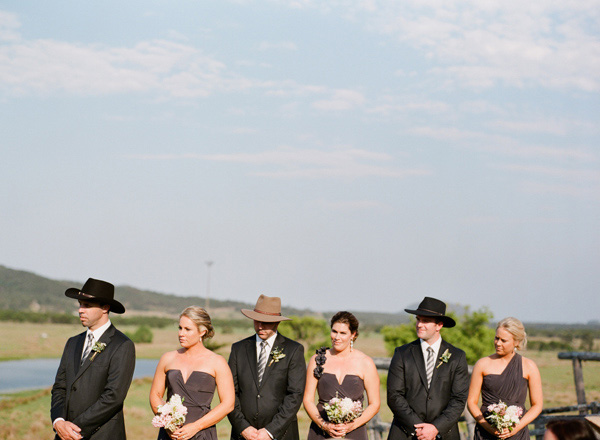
{"type": "Point", "coordinates": [516, 329]}
{"type": "Point", "coordinates": [346, 318]}
{"type": "Point", "coordinates": [202, 320]}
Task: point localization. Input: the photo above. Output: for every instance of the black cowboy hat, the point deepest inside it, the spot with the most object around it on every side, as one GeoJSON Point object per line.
{"type": "Point", "coordinates": [97, 291]}
{"type": "Point", "coordinates": [434, 308]}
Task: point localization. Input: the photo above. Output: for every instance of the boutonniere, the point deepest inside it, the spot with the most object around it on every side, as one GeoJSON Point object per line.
{"type": "Point", "coordinates": [276, 355]}
{"type": "Point", "coordinates": [444, 358]}
{"type": "Point", "coordinates": [97, 348]}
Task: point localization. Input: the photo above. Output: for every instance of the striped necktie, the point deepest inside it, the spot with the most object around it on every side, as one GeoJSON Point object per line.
{"type": "Point", "coordinates": [262, 360]}
{"type": "Point", "coordinates": [429, 365]}
{"type": "Point", "coordinates": [88, 347]}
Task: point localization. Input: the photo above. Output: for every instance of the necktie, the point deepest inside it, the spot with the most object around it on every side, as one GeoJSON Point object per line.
{"type": "Point", "coordinates": [88, 347]}
{"type": "Point", "coordinates": [429, 365]}
{"type": "Point", "coordinates": [262, 360]}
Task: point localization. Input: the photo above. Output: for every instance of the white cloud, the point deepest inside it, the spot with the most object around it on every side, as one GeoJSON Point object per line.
{"type": "Point", "coordinates": [9, 25]}
{"type": "Point", "coordinates": [502, 145]}
{"type": "Point", "coordinates": [478, 43]}
{"type": "Point", "coordinates": [351, 205]}
{"type": "Point", "coordinates": [341, 100]}
{"type": "Point", "coordinates": [281, 45]}
{"type": "Point", "coordinates": [289, 162]}
{"type": "Point", "coordinates": [582, 175]}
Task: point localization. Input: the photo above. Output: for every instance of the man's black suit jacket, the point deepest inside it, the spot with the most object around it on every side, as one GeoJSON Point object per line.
{"type": "Point", "coordinates": [275, 403]}
{"type": "Point", "coordinates": [91, 395]}
{"type": "Point", "coordinates": [412, 402]}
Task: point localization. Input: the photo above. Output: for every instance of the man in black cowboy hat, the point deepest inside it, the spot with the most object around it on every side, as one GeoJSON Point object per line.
{"type": "Point", "coordinates": [269, 372]}
{"type": "Point", "coordinates": [428, 380]}
{"type": "Point", "coordinates": [95, 370]}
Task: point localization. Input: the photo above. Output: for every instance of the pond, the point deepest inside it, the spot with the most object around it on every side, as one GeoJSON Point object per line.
{"type": "Point", "coordinates": [27, 374]}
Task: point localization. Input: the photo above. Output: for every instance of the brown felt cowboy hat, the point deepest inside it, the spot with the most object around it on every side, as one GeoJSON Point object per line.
{"type": "Point", "coordinates": [434, 308]}
{"type": "Point", "coordinates": [267, 309]}
{"type": "Point", "coordinates": [97, 291]}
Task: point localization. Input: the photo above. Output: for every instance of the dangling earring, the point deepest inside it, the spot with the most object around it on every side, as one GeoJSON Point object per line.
{"type": "Point", "coordinates": [351, 344]}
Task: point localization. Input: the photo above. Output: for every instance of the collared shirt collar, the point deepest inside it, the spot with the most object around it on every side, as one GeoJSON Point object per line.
{"type": "Point", "coordinates": [436, 348]}
{"type": "Point", "coordinates": [269, 347]}
{"type": "Point", "coordinates": [99, 331]}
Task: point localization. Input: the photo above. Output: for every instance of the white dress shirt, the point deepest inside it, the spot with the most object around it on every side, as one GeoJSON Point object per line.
{"type": "Point", "coordinates": [436, 350]}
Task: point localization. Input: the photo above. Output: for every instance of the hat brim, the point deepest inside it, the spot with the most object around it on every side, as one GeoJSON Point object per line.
{"type": "Point", "coordinates": [115, 306]}
{"type": "Point", "coordinates": [448, 322]}
{"type": "Point", "coordinates": [263, 317]}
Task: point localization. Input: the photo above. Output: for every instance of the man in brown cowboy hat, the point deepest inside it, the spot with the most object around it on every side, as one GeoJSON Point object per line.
{"type": "Point", "coordinates": [269, 372]}
{"type": "Point", "coordinates": [95, 370]}
{"type": "Point", "coordinates": [428, 380]}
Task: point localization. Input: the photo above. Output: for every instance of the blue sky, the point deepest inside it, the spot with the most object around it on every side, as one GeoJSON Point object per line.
{"type": "Point", "coordinates": [342, 154]}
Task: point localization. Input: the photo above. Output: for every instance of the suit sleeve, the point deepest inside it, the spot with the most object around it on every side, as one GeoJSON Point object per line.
{"type": "Point", "coordinates": [236, 417]}
{"type": "Point", "coordinates": [59, 389]}
{"type": "Point", "coordinates": [396, 394]}
{"type": "Point", "coordinates": [458, 398]}
{"type": "Point", "coordinates": [296, 380]}
{"type": "Point", "coordinates": [120, 374]}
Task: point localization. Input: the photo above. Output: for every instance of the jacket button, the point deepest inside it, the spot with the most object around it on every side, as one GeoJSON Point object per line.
{"type": "Point", "coordinates": [258, 396]}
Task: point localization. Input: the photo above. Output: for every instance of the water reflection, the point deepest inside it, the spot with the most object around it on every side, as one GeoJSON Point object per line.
{"type": "Point", "coordinates": [27, 374]}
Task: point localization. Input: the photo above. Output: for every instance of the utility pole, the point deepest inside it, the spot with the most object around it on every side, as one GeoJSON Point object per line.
{"type": "Point", "coordinates": [208, 265]}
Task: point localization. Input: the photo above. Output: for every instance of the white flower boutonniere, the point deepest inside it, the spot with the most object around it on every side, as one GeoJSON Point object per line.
{"type": "Point", "coordinates": [444, 358]}
{"type": "Point", "coordinates": [97, 348]}
{"type": "Point", "coordinates": [276, 355]}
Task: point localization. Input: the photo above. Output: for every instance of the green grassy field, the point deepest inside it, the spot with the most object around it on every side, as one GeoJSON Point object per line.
{"type": "Point", "coordinates": [25, 416]}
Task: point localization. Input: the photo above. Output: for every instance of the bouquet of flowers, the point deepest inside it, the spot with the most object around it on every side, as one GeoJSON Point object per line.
{"type": "Point", "coordinates": [342, 410]}
{"type": "Point", "coordinates": [503, 416]}
{"type": "Point", "coordinates": [171, 415]}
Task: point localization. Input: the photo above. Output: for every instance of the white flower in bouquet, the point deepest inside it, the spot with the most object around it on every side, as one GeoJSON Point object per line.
{"type": "Point", "coordinates": [503, 416]}
{"type": "Point", "coordinates": [342, 410]}
{"type": "Point", "coordinates": [171, 415]}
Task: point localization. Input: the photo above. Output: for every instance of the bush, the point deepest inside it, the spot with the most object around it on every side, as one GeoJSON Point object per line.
{"type": "Point", "coordinates": [309, 331]}
{"type": "Point", "coordinates": [143, 335]}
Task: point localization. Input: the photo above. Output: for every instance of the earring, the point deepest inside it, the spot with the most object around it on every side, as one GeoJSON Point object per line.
{"type": "Point", "coordinates": [351, 344]}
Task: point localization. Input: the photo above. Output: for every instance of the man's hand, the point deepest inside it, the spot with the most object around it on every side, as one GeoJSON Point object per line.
{"type": "Point", "coordinates": [263, 435]}
{"type": "Point", "coordinates": [250, 433]}
{"type": "Point", "coordinates": [67, 430]}
{"type": "Point", "coordinates": [425, 431]}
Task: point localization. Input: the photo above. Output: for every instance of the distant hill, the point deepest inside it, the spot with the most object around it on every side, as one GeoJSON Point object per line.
{"type": "Point", "coordinates": [22, 290]}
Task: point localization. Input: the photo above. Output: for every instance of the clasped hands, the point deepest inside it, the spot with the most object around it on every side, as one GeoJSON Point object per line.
{"type": "Point", "coordinates": [67, 430]}
{"type": "Point", "coordinates": [251, 433]}
{"type": "Point", "coordinates": [338, 430]}
{"type": "Point", "coordinates": [184, 432]}
{"type": "Point", "coordinates": [425, 431]}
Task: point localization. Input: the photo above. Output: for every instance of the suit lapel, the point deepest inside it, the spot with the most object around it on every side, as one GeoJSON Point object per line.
{"type": "Point", "coordinates": [78, 351]}
{"type": "Point", "coordinates": [252, 358]}
{"type": "Point", "coordinates": [106, 337]}
{"type": "Point", "coordinates": [443, 347]}
{"type": "Point", "coordinates": [417, 354]}
{"type": "Point", "coordinates": [278, 343]}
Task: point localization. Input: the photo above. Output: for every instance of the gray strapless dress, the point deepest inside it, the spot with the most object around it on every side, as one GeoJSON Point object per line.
{"type": "Point", "coordinates": [353, 387]}
{"type": "Point", "coordinates": [198, 394]}
{"type": "Point", "coordinates": [510, 387]}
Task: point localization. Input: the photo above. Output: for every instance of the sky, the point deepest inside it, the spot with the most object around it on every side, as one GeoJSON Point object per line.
{"type": "Point", "coordinates": [338, 154]}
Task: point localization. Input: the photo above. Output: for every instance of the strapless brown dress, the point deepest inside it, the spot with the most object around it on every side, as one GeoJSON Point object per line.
{"type": "Point", "coordinates": [353, 387]}
{"type": "Point", "coordinates": [197, 394]}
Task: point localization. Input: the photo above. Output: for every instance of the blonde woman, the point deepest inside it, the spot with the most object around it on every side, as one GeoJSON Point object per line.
{"type": "Point", "coordinates": [505, 376]}
{"type": "Point", "coordinates": [194, 372]}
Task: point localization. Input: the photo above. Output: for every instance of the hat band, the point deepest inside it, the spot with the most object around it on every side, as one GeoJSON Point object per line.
{"type": "Point", "coordinates": [431, 311]}
{"type": "Point", "coordinates": [267, 313]}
